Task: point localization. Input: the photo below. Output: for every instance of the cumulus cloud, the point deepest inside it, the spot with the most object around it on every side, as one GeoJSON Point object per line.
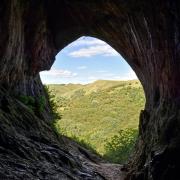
{"type": "Point", "coordinates": [104, 50]}
{"type": "Point", "coordinates": [87, 42]}
{"type": "Point", "coordinates": [88, 47]}
{"type": "Point", "coordinates": [59, 73]}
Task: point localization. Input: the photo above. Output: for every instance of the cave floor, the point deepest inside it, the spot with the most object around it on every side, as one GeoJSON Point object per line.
{"type": "Point", "coordinates": [108, 171]}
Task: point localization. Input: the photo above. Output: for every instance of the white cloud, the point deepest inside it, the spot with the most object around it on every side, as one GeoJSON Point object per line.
{"type": "Point", "coordinates": [87, 42]}
{"type": "Point", "coordinates": [88, 47]}
{"type": "Point", "coordinates": [82, 67]}
{"type": "Point", "coordinates": [104, 50]}
{"type": "Point", "coordinates": [52, 77]}
{"type": "Point", "coordinates": [58, 73]}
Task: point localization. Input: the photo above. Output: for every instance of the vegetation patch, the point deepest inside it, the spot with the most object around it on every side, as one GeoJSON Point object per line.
{"type": "Point", "coordinates": [34, 104]}
{"type": "Point", "coordinates": [102, 116]}
{"type": "Point", "coordinates": [121, 145]}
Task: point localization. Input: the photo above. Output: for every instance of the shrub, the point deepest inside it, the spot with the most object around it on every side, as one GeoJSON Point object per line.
{"type": "Point", "coordinates": [35, 105]}
{"type": "Point", "coordinates": [53, 103]}
{"type": "Point", "coordinates": [41, 103]}
{"type": "Point", "coordinates": [121, 146]}
{"type": "Point", "coordinates": [29, 101]}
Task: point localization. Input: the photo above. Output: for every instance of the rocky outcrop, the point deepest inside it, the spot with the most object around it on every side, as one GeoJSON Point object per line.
{"type": "Point", "coordinates": [30, 149]}
{"type": "Point", "coordinates": [145, 33]}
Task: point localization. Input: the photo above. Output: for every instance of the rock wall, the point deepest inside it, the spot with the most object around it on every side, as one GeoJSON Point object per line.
{"type": "Point", "coordinates": [145, 33]}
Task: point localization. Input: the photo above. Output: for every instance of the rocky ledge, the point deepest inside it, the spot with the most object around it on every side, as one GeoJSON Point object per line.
{"type": "Point", "coordinates": [30, 149]}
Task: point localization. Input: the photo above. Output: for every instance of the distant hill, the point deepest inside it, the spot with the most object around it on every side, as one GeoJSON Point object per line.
{"type": "Point", "coordinates": [68, 89]}
{"type": "Point", "coordinates": [96, 112]}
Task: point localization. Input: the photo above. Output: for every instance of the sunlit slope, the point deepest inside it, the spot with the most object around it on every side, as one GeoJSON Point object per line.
{"type": "Point", "coordinates": [97, 111]}
{"type": "Point", "coordinates": [67, 90]}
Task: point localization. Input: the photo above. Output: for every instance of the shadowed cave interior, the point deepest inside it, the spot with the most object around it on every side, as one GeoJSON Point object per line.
{"type": "Point", "coordinates": [145, 33]}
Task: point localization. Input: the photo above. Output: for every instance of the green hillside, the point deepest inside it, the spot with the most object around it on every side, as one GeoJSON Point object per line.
{"type": "Point", "coordinates": [96, 112]}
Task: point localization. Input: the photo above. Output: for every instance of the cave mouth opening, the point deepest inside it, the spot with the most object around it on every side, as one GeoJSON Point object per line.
{"type": "Point", "coordinates": [99, 98]}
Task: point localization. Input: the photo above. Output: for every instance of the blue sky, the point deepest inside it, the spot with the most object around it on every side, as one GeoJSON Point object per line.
{"type": "Point", "coordinates": [86, 60]}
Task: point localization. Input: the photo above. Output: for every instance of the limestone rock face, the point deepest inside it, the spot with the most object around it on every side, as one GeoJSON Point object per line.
{"type": "Point", "coordinates": [145, 33]}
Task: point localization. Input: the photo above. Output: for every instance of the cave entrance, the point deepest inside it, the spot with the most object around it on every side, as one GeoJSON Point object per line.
{"type": "Point", "coordinates": [99, 97]}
